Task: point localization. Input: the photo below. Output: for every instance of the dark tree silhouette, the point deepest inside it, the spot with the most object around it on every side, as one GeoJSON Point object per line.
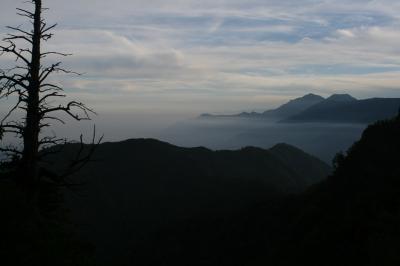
{"type": "Point", "coordinates": [28, 84]}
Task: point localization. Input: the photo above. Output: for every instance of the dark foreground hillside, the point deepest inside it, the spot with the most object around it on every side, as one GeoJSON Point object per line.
{"type": "Point", "coordinates": [138, 189]}
{"type": "Point", "coordinates": [42, 235]}
{"type": "Point", "coordinates": [151, 203]}
{"type": "Point", "coordinates": [353, 218]}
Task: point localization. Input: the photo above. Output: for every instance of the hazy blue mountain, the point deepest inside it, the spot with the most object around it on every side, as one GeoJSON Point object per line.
{"type": "Point", "coordinates": [288, 109]}
{"type": "Point", "coordinates": [345, 109]}
{"type": "Point", "coordinates": [340, 98]}
{"type": "Point", "coordinates": [294, 106]}
{"type": "Point", "coordinates": [338, 108]}
{"type": "Point", "coordinates": [330, 102]}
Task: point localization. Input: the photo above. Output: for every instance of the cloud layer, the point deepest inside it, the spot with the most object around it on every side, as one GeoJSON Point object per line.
{"type": "Point", "coordinates": [223, 55]}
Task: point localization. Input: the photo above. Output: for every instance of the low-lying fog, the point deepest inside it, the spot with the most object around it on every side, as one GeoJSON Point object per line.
{"type": "Point", "coordinates": [323, 140]}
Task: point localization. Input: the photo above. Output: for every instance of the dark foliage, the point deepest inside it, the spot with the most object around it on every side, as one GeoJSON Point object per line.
{"type": "Point", "coordinates": [353, 218]}
{"type": "Point", "coordinates": [142, 194]}
{"type": "Point", "coordinates": [38, 235]}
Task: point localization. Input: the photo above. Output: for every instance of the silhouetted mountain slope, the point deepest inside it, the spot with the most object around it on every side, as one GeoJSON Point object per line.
{"type": "Point", "coordinates": [278, 167]}
{"type": "Point", "coordinates": [352, 218]}
{"type": "Point", "coordinates": [140, 186]}
{"type": "Point", "coordinates": [288, 109]}
{"type": "Point", "coordinates": [298, 161]}
{"type": "Point", "coordinates": [349, 110]}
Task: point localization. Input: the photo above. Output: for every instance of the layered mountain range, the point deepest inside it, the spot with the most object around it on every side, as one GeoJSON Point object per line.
{"type": "Point", "coordinates": [338, 108]}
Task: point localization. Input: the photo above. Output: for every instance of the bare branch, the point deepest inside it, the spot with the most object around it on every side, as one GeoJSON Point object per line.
{"type": "Point", "coordinates": [10, 112]}
{"type": "Point", "coordinates": [51, 151]}
{"type": "Point", "coordinates": [20, 30]}
{"type": "Point", "coordinates": [14, 126]}
{"type": "Point", "coordinates": [9, 150]}
{"type": "Point", "coordinates": [46, 37]}
{"type": "Point", "coordinates": [44, 29]}
{"type": "Point", "coordinates": [16, 37]}
{"type": "Point", "coordinates": [25, 51]}
{"type": "Point", "coordinates": [52, 94]}
{"type": "Point", "coordinates": [80, 161]}
{"type": "Point", "coordinates": [54, 53]}
{"type": "Point", "coordinates": [14, 81]}
{"type": "Point", "coordinates": [54, 68]}
{"type": "Point", "coordinates": [23, 12]}
{"type": "Point", "coordinates": [52, 141]}
{"type": "Point", "coordinates": [50, 87]}
{"type": "Point", "coordinates": [12, 49]}
{"type": "Point", "coordinates": [68, 110]}
{"type": "Point", "coordinates": [54, 118]}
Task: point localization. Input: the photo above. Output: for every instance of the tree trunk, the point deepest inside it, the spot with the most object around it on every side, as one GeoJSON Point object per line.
{"type": "Point", "coordinates": [32, 121]}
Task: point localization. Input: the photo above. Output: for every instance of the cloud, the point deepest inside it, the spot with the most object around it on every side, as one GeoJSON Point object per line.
{"type": "Point", "coordinates": [224, 54]}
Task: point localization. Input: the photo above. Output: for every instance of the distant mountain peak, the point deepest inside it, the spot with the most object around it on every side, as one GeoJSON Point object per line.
{"type": "Point", "coordinates": [311, 96]}
{"type": "Point", "coordinates": [307, 98]}
{"type": "Point", "coordinates": [296, 105]}
{"type": "Point", "coordinates": [343, 108]}
{"type": "Point", "coordinates": [341, 98]}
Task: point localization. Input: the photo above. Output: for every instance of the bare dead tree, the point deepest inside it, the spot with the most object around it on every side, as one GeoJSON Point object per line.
{"type": "Point", "coordinates": [27, 83]}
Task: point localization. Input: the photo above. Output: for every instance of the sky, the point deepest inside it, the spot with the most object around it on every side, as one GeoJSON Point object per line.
{"type": "Point", "coordinates": [179, 58]}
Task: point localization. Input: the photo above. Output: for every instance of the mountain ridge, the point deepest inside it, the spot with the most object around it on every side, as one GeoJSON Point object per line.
{"type": "Point", "coordinates": [337, 108]}
{"type": "Point", "coordinates": [290, 108]}
{"type": "Point", "coordinates": [144, 185]}
{"type": "Point", "coordinates": [354, 111]}
{"type": "Point", "coordinates": [149, 148]}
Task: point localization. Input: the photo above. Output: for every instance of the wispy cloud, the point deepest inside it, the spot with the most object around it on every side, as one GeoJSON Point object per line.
{"type": "Point", "coordinates": [225, 54]}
